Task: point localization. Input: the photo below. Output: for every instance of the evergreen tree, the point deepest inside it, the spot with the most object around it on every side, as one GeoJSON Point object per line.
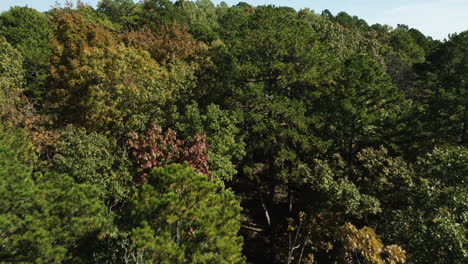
{"type": "Point", "coordinates": [44, 217]}
{"type": "Point", "coordinates": [181, 216]}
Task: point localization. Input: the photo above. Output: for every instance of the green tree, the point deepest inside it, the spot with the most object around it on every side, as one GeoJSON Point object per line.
{"type": "Point", "coordinates": [93, 159]}
{"type": "Point", "coordinates": [360, 108]}
{"type": "Point", "coordinates": [271, 64]}
{"type": "Point", "coordinates": [442, 93]}
{"type": "Point", "coordinates": [43, 216]}
{"type": "Point", "coordinates": [122, 12]}
{"type": "Point", "coordinates": [403, 48]}
{"type": "Point", "coordinates": [182, 217]}
{"type": "Point", "coordinates": [424, 205]}
{"type": "Point", "coordinates": [159, 12]}
{"type": "Point", "coordinates": [201, 17]}
{"type": "Point", "coordinates": [11, 80]}
{"type": "Point", "coordinates": [225, 146]}
{"type": "Point", "coordinates": [30, 32]}
{"type": "Point", "coordinates": [402, 41]}
{"type": "Point", "coordinates": [351, 22]}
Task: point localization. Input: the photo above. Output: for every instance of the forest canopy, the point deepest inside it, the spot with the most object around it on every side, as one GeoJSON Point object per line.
{"type": "Point", "coordinates": [187, 132]}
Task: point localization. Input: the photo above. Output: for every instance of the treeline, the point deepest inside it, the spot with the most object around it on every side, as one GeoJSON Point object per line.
{"type": "Point", "coordinates": [161, 132]}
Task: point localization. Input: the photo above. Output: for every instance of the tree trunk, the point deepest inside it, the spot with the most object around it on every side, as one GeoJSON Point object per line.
{"type": "Point", "coordinates": [464, 132]}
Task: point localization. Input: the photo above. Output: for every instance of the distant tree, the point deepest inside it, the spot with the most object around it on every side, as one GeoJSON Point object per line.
{"type": "Point", "coordinates": [442, 92]}
{"type": "Point", "coordinates": [198, 12]}
{"type": "Point", "coordinates": [326, 13]}
{"type": "Point", "coordinates": [402, 41]}
{"type": "Point", "coordinates": [404, 48]}
{"type": "Point", "coordinates": [166, 43]}
{"type": "Point", "coordinates": [158, 12]}
{"type": "Point", "coordinates": [122, 12]}
{"type": "Point", "coordinates": [92, 15]}
{"type": "Point", "coordinates": [351, 22]}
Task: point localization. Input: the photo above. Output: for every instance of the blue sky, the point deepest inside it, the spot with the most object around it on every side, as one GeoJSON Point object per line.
{"type": "Point", "coordinates": [436, 18]}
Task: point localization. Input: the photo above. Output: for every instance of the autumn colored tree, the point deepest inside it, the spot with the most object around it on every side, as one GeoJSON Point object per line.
{"type": "Point", "coordinates": [105, 86]}
{"type": "Point", "coordinates": [73, 37]}
{"type": "Point", "coordinates": [166, 43]}
{"type": "Point", "coordinates": [15, 108]}
{"type": "Point", "coordinates": [155, 149]}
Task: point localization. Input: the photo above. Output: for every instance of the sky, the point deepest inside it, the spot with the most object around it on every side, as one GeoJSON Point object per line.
{"type": "Point", "coordinates": [436, 18]}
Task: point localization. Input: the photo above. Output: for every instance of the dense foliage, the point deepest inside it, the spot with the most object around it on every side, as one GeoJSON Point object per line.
{"type": "Point", "coordinates": [185, 132]}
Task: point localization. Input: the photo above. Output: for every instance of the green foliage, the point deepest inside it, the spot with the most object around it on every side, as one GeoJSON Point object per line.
{"type": "Point", "coordinates": [445, 165]}
{"type": "Point", "coordinates": [424, 208]}
{"type": "Point", "coordinates": [442, 93]}
{"type": "Point", "coordinates": [93, 16]}
{"type": "Point", "coordinates": [121, 12]}
{"type": "Point", "coordinates": [30, 32]}
{"type": "Point", "coordinates": [402, 42]}
{"type": "Point", "coordinates": [223, 140]}
{"type": "Point", "coordinates": [12, 71]}
{"type": "Point", "coordinates": [403, 48]}
{"type": "Point", "coordinates": [11, 79]}
{"type": "Point", "coordinates": [95, 160]}
{"type": "Point", "coordinates": [43, 217]}
{"type": "Point", "coordinates": [352, 22]}
{"type": "Point", "coordinates": [182, 217]}
{"type": "Point", "coordinates": [200, 12]}
{"type": "Point", "coordinates": [359, 108]}
{"type": "Point", "coordinates": [330, 189]}
{"type": "Point", "coordinates": [344, 142]}
{"type": "Point", "coordinates": [158, 12]}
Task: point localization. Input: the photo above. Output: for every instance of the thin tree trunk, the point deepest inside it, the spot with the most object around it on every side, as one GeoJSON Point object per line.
{"type": "Point", "coordinates": [265, 209]}
{"type": "Point", "coordinates": [464, 132]}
